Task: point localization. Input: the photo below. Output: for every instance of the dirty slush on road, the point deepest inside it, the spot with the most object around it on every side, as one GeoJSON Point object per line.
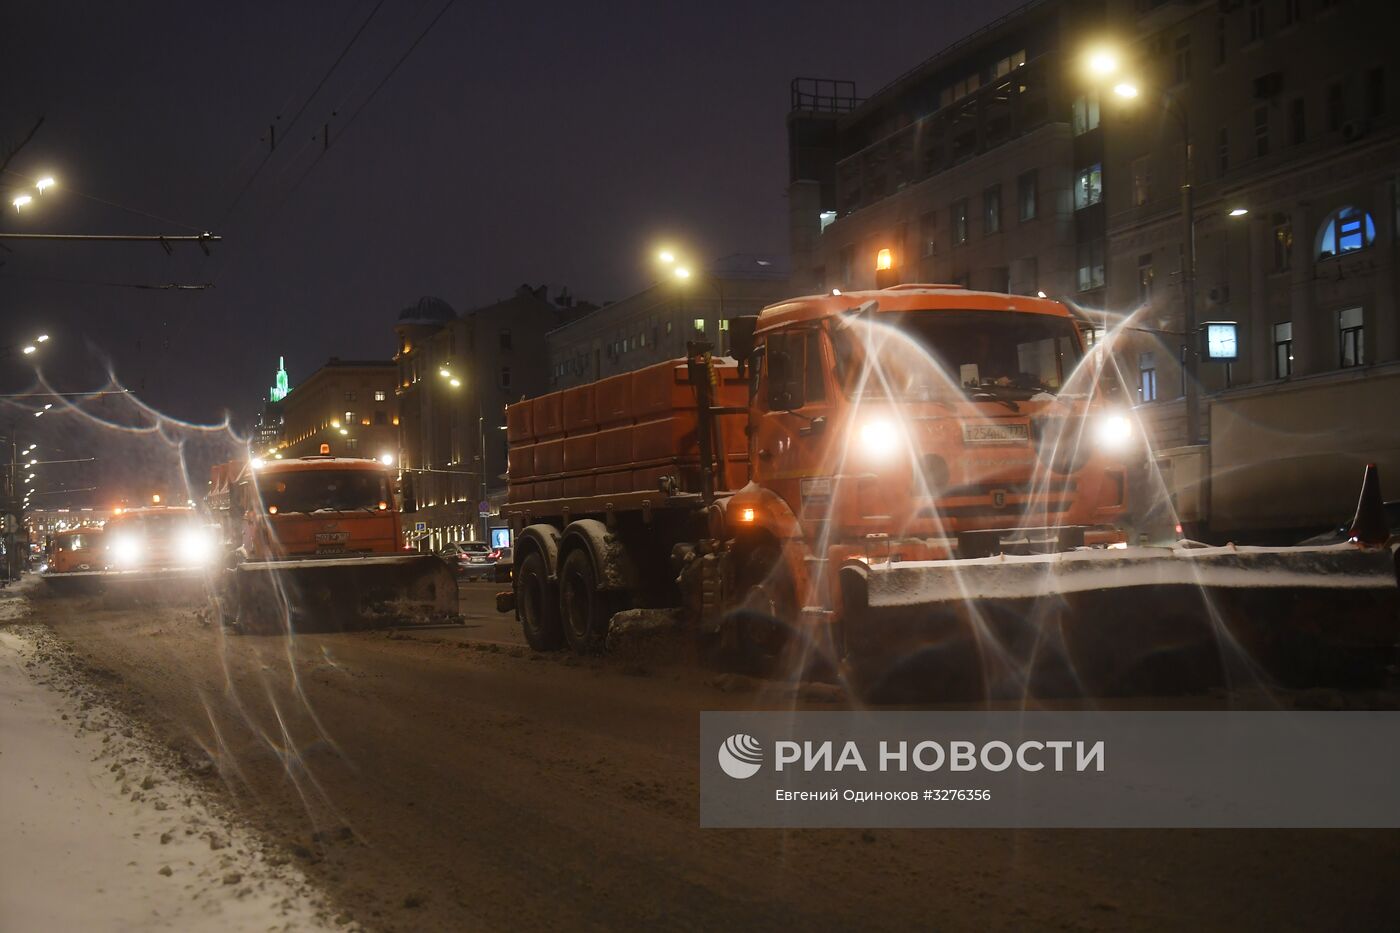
{"type": "Point", "coordinates": [428, 784]}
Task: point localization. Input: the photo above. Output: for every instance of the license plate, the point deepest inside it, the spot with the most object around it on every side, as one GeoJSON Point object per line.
{"type": "Point", "coordinates": [330, 549]}
{"type": "Point", "coordinates": [995, 433]}
{"type": "Point", "coordinates": [332, 537]}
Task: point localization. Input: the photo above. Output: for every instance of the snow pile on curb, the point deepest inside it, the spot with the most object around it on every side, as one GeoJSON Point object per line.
{"type": "Point", "coordinates": [99, 827]}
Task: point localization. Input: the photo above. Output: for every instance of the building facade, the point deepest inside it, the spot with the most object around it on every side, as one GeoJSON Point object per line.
{"type": "Point", "coordinates": [982, 166]}
{"type": "Point", "coordinates": [1289, 108]}
{"type": "Point", "coordinates": [455, 375]}
{"type": "Point", "coordinates": [1002, 163]}
{"type": "Point", "coordinates": [349, 405]}
{"type": "Point", "coordinates": [655, 324]}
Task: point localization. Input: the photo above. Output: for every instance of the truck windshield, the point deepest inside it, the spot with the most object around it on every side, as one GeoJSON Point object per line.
{"type": "Point", "coordinates": [931, 355]}
{"type": "Point", "coordinates": [324, 491]}
{"type": "Point", "coordinates": [77, 542]}
{"type": "Point", "coordinates": [156, 524]}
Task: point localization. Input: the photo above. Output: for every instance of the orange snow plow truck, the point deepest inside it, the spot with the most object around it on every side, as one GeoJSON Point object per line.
{"type": "Point", "coordinates": [916, 486]}
{"type": "Point", "coordinates": [316, 543]}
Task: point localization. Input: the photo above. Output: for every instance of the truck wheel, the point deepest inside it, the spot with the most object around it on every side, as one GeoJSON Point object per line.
{"type": "Point", "coordinates": [765, 617]}
{"type": "Point", "coordinates": [583, 609]}
{"type": "Point", "coordinates": [539, 611]}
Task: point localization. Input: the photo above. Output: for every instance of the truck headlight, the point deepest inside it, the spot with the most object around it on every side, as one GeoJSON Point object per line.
{"type": "Point", "coordinates": [1113, 432]}
{"type": "Point", "coordinates": [126, 551]}
{"type": "Point", "coordinates": [196, 546]}
{"type": "Point", "coordinates": [879, 439]}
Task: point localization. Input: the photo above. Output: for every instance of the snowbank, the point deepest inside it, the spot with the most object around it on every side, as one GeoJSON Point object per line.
{"type": "Point", "coordinates": [98, 832]}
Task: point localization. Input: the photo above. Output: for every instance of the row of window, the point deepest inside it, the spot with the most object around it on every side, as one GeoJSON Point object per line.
{"type": "Point", "coordinates": [1351, 351]}
{"type": "Point", "coordinates": [970, 83]}
{"type": "Point", "coordinates": [378, 395]}
{"type": "Point", "coordinates": [1027, 209]}
{"type": "Point", "coordinates": [380, 416]}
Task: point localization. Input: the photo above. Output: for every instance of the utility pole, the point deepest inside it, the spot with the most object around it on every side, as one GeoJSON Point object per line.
{"type": "Point", "coordinates": [1190, 350]}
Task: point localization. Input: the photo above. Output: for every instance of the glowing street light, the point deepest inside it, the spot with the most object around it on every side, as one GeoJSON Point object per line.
{"type": "Point", "coordinates": [386, 459]}
{"type": "Point", "coordinates": [1101, 62]}
{"type": "Point", "coordinates": [455, 383]}
{"type": "Point", "coordinates": [1126, 90]}
{"type": "Point", "coordinates": [444, 374]}
{"type": "Point", "coordinates": [29, 349]}
{"type": "Point", "coordinates": [44, 184]}
{"type": "Point", "coordinates": [42, 338]}
{"type": "Point", "coordinates": [22, 202]}
{"type": "Point", "coordinates": [666, 256]}
{"type": "Point", "coordinates": [681, 272]}
{"type": "Point", "coordinates": [1239, 212]}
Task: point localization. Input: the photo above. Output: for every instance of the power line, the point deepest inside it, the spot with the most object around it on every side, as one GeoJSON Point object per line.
{"type": "Point", "coordinates": [377, 88]}
{"type": "Point", "coordinates": [282, 203]}
{"type": "Point", "coordinates": [306, 103]}
{"type": "Point", "coordinates": [164, 286]}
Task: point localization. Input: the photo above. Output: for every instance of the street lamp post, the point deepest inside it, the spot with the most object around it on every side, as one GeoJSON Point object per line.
{"type": "Point", "coordinates": [1104, 64]}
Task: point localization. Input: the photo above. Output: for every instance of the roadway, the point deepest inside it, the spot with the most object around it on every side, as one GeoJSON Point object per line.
{"type": "Point", "coordinates": [449, 779]}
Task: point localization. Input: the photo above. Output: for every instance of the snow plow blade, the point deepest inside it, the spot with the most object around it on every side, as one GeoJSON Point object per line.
{"type": "Point", "coordinates": [340, 594]}
{"type": "Point", "coordinates": [1137, 621]}
{"type": "Point", "coordinates": [126, 588]}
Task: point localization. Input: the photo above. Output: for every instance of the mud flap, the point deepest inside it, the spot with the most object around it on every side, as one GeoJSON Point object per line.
{"type": "Point", "coordinates": [339, 595]}
{"type": "Point", "coordinates": [1115, 622]}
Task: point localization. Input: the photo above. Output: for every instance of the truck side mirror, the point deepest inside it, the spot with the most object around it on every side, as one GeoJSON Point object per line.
{"type": "Point", "coordinates": [741, 337]}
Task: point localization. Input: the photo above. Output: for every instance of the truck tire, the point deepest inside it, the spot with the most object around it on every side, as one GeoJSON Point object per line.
{"type": "Point", "coordinates": [584, 610]}
{"type": "Point", "coordinates": [538, 607]}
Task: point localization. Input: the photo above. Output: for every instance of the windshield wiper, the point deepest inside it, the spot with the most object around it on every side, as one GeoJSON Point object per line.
{"type": "Point", "coordinates": [983, 393]}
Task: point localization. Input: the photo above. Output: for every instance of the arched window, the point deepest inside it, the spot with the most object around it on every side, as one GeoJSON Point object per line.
{"type": "Point", "coordinates": [1345, 230]}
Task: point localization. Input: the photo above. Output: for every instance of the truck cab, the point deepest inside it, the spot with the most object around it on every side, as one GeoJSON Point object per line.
{"type": "Point", "coordinates": [930, 422]}
{"type": "Point", "coordinates": [76, 549]}
{"type": "Point", "coordinates": [316, 506]}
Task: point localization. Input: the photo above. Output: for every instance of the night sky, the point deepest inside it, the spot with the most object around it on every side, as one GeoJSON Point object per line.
{"type": "Point", "coordinates": [541, 143]}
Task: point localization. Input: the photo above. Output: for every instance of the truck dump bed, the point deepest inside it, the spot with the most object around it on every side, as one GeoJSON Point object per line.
{"type": "Point", "coordinates": [623, 434]}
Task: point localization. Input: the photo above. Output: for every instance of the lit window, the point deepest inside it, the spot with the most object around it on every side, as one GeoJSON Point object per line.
{"type": "Point", "coordinates": [724, 324]}
{"type": "Point", "coordinates": [1352, 335]}
{"type": "Point", "coordinates": [1346, 230]}
{"type": "Point", "coordinates": [349, 417]}
{"type": "Point", "coordinates": [1147, 377]}
{"type": "Point", "coordinates": [1283, 350]}
{"type": "Point", "coordinates": [379, 395]}
{"type": "Point", "coordinates": [1088, 186]}
{"type": "Point", "coordinates": [698, 325]}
